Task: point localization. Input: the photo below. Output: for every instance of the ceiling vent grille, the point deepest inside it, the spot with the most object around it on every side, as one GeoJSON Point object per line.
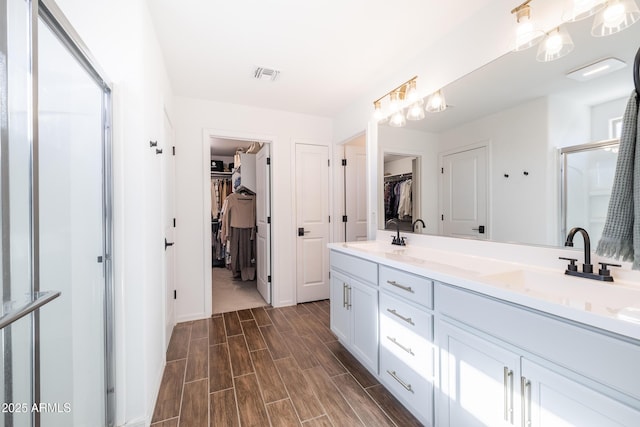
{"type": "Point", "coordinates": [268, 74]}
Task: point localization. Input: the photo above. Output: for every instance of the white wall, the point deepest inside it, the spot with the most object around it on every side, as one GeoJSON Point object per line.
{"type": "Point", "coordinates": [518, 143]}
{"type": "Point", "coordinates": [120, 35]}
{"type": "Point", "coordinates": [602, 113]}
{"type": "Point", "coordinates": [193, 250]}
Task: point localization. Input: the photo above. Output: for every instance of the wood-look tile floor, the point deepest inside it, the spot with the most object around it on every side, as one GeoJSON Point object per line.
{"type": "Point", "coordinates": [269, 367]}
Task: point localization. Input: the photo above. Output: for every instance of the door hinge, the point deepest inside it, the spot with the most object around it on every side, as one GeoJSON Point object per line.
{"type": "Point", "coordinates": [329, 218]}
{"type": "Point", "coordinates": [269, 278]}
{"type": "Point", "coordinates": [268, 160]}
{"type": "Point", "coordinates": [173, 150]}
{"type": "Point", "coordinates": [175, 294]}
{"type": "Point", "coordinates": [268, 220]}
{"type": "Point", "coordinates": [442, 217]}
{"type": "Point", "coordinates": [328, 162]}
{"type": "Point", "coordinates": [174, 223]}
{"type": "Point", "coordinates": [344, 162]}
{"type": "Point", "coordinates": [441, 170]}
{"type": "Point", "coordinates": [344, 218]}
{"type": "Point", "coordinates": [329, 274]}
{"type": "Point", "coordinates": [100, 259]}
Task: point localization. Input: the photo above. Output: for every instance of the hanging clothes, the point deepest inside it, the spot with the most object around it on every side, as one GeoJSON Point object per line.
{"type": "Point", "coordinates": [398, 198]}
{"type": "Point", "coordinates": [238, 230]}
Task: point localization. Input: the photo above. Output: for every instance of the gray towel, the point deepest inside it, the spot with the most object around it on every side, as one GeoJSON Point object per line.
{"type": "Point", "coordinates": [621, 235]}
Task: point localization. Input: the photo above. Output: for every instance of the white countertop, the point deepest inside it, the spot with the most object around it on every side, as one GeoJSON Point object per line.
{"type": "Point", "coordinates": [614, 307]}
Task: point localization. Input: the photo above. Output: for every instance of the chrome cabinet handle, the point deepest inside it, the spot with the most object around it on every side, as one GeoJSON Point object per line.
{"type": "Point", "coordinates": [525, 398]}
{"type": "Point", "coordinates": [508, 395]}
{"type": "Point", "coordinates": [406, 319]}
{"type": "Point", "coordinates": [407, 349]}
{"type": "Point", "coordinates": [398, 285]}
{"type": "Point", "coordinates": [348, 297]}
{"type": "Point", "coordinates": [402, 383]}
{"type": "Point", "coordinates": [344, 295]}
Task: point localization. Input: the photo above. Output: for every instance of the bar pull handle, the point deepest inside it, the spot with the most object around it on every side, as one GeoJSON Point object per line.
{"type": "Point", "coordinates": [348, 297]}
{"type": "Point", "coordinates": [525, 398]}
{"type": "Point", "coordinates": [344, 295]}
{"type": "Point", "coordinates": [398, 285]}
{"type": "Point", "coordinates": [402, 383]}
{"type": "Point", "coordinates": [406, 319]}
{"type": "Point", "coordinates": [407, 349]}
{"type": "Point", "coordinates": [508, 395]}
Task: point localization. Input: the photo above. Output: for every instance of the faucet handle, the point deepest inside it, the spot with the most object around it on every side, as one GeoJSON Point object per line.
{"type": "Point", "coordinates": [572, 263]}
{"type": "Point", "coordinates": [604, 271]}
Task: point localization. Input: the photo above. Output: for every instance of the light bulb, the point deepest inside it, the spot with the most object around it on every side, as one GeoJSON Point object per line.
{"type": "Point", "coordinates": [526, 33]}
{"type": "Point", "coordinates": [397, 119]}
{"type": "Point", "coordinates": [412, 93]}
{"type": "Point", "coordinates": [415, 112]}
{"type": "Point", "coordinates": [394, 104]}
{"type": "Point", "coordinates": [557, 44]}
{"type": "Point", "coordinates": [618, 15]}
{"type": "Point", "coordinates": [576, 10]}
{"type": "Point", "coordinates": [613, 15]}
{"type": "Point", "coordinates": [378, 115]}
{"type": "Point", "coordinates": [436, 102]}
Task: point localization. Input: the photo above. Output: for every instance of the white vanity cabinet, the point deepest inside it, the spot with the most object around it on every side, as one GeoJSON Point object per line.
{"type": "Point", "coordinates": [543, 375]}
{"type": "Point", "coordinates": [406, 339]}
{"type": "Point", "coordinates": [354, 306]}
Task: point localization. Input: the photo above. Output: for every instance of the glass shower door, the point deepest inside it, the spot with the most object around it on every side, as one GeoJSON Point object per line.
{"type": "Point", "coordinates": [71, 227]}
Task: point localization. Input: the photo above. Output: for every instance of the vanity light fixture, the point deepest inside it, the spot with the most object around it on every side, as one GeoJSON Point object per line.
{"type": "Point", "coordinates": [556, 44]}
{"type": "Point", "coordinates": [398, 99]}
{"type": "Point", "coordinates": [618, 15]}
{"type": "Point", "coordinates": [597, 69]}
{"type": "Point", "coordinates": [577, 10]}
{"type": "Point", "coordinates": [436, 102]}
{"type": "Point", "coordinates": [415, 111]}
{"type": "Point", "coordinates": [527, 35]}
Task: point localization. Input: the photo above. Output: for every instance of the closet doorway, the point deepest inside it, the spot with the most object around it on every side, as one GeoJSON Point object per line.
{"type": "Point", "coordinates": [240, 223]}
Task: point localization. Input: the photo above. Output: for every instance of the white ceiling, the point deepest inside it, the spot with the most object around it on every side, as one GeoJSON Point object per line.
{"type": "Point", "coordinates": [329, 52]}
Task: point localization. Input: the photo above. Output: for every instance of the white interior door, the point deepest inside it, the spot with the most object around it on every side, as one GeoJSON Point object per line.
{"type": "Point", "coordinates": [464, 193]}
{"type": "Point", "coordinates": [312, 213]}
{"type": "Point", "coordinates": [263, 220]}
{"type": "Point", "coordinates": [168, 186]}
{"type": "Point", "coordinates": [355, 190]}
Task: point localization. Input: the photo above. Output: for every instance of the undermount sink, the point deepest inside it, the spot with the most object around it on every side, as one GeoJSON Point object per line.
{"type": "Point", "coordinates": [566, 290]}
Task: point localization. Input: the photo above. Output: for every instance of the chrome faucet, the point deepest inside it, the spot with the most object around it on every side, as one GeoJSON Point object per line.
{"type": "Point", "coordinates": [413, 226]}
{"type": "Point", "coordinates": [587, 268]}
{"type": "Point", "coordinates": [397, 240]}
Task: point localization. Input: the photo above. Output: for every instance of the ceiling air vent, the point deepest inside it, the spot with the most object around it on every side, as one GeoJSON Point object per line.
{"type": "Point", "coordinates": [268, 74]}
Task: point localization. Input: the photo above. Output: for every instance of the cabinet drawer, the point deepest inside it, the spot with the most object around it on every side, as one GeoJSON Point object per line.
{"type": "Point", "coordinates": [415, 288]}
{"type": "Point", "coordinates": [414, 350]}
{"type": "Point", "coordinates": [399, 317]}
{"type": "Point", "coordinates": [356, 267]}
{"type": "Point", "coordinates": [413, 389]}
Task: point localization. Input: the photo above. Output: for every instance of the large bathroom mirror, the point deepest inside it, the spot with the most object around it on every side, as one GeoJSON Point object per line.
{"type": "Point", "coordinates": [502, 135]}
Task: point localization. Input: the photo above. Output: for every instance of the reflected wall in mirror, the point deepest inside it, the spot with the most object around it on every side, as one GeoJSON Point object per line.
{"type": "Point", "coordinates": [524, 112]}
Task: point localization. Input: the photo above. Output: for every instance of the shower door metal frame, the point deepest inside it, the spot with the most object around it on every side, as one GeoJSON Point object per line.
{"type": "Point", "coordinates": [52, 16]}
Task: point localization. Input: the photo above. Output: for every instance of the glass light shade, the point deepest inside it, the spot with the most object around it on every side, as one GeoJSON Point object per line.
{"type": "Point", "coordinates": [394, 103]}
{"type": "Point", "coordinates": [576, 10]}
{"type": "Point", "coordinates": [415, 112]}
{"type": "Point", "coordinates": [556, 44]}
{"type": "Point", "coordinates": [527, 35]}
{"type": "Point", "coordinates": [436, 102]}
{"type": "Point", "coordinates": [618, 15]}
{"type": "Point", "coordinates": [412, 93]}
{"type": "Point", "coordinates": [397, 120]}
{"type": "Point", "coordinates": [378, 115]}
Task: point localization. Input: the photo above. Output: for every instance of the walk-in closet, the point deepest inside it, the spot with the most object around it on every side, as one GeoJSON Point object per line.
{"type": "Point", "coordinates": [398, 190]}
{"type": "Point", "coordinates": [240, 203]}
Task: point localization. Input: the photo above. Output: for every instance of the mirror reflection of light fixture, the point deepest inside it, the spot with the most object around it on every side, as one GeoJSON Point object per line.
{"type": "Point", "coordinates": [415, 111]}
{"type": "Point", "coordinates": [397, 119]}
{"type": "Point", "coordinates": [412, 93]}
{"type": "Point", "coordinates": [378, 115]}
{"type": "Point", "coordinates": [576, 10]}
{"type": "Point", "coordinates": [555, 45]}
{"type": "Point", "coordinates": [618, 15]}
{"type": "Point", "coordinates": [436, 102]}
{"type": "Point", "coordinates": [527, 35]}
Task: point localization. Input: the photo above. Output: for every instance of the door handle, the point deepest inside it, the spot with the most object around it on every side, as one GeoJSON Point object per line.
{"type": "Point", "coordinates": [167, 244]}
{"type": "Point", "coordinates": [302, 231]}
{"type": "Point", "coordinates": [480, 229]}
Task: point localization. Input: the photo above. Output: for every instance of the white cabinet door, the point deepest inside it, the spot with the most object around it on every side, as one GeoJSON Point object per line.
{"type": "Point", "coordinates": [363, 303]}
{"type": "Point", "coordinates": [340, 316]}
{"type": "Point", "coordinates": [479, 380]}
{"type": "Point", "coordinates": [554, 400]}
